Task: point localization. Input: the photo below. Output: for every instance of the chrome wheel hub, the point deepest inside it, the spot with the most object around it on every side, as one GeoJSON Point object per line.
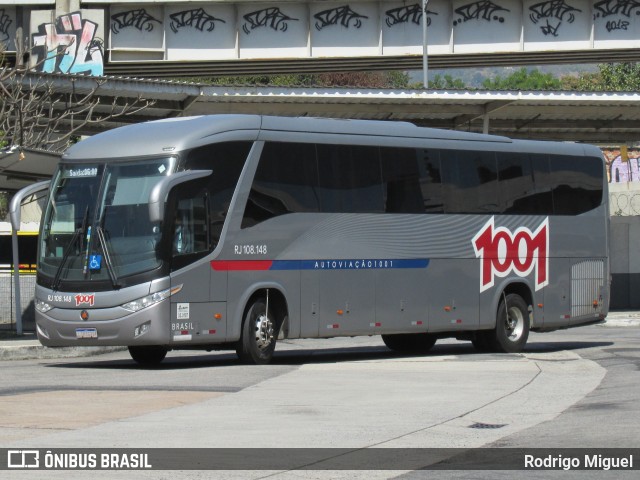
{"type": "Point", "coordinates": [264, 331]}
{"type": "Point", "coordinates": [515, 324]}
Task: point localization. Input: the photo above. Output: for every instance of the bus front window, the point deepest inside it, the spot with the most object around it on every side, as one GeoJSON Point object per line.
{"type": "Point", "coordinates": [97, 226]}
{"type": "Point", "coordinates": [66, 222]}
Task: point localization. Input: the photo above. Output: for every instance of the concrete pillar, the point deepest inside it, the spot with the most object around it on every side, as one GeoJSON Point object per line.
{"type": "Point", "coordinates": [66, 6]}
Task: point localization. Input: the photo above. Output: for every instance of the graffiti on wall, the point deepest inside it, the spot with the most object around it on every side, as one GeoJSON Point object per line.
{"type": "Point", "coordinates": [406, 14]}
{"type": "Point", "coordinates": [344, 16]}
{"type": "Point", "coordinates": [622, 171]}
{"type": "Point", "coordinates": [138, 19]}
{"type": "Point", "coordinates": [5, 23]}
{"type": "Point", "coordinates": [555, 11]}
{"type": "Point", "coordinates": [69, 45]}
{"type": "Point", "coordinates": [609, 8]}
{"type": "Point", "coordinates": [271, 17]}
{"type": "Point", "coordinates": [196, 18]}
{"type": "Point", "coordinates": [482, 10]}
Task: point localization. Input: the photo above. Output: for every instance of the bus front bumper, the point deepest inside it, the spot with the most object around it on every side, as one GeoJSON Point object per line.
{"type": "Point", "coordinates": [112, 327]}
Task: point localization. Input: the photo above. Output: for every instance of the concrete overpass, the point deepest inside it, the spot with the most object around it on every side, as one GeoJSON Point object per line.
{"type": "Point", "coordinates": [166, 38]}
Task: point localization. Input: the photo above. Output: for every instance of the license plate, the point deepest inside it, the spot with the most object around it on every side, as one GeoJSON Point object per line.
{"type": "Point", "coordinates": [86, 333]}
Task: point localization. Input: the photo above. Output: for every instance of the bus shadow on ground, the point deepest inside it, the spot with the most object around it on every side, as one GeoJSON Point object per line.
{"type": "Point", "coordinates": [462, 351]}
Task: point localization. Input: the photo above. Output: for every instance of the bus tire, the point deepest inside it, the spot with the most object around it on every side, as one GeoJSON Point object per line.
{"type": "Point", "coordinates": [410, 342]}
{"type": "Point", "coordinates": [259, 334]}
{"type": "Point", "coordinates": [148, 354]}
{"type": "Point", "coordinates": [512, 325]}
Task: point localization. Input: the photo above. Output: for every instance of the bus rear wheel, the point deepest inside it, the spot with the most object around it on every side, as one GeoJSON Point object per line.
{"type": "Point", "coordinates": [512, 325]}
{"type": "Point", "coordinates": [148, 354]}
{"type": "Point", "coordinates": [410, 342]}
{"type": "Point", "coordinates": [259, 332]}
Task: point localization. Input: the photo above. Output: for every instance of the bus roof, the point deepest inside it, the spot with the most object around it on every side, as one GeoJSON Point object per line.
{"type": "Point", "coordinates": [171, 135]}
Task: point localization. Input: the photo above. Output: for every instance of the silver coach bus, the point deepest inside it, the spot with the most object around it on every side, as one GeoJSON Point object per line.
{"type": "Point", "coordinates": [233, 231]}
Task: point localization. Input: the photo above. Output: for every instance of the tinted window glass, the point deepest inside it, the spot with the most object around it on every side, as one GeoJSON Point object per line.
{"type": "Point", "coordinates": [430, 180]}
{"type": "Point", "coordinates": [190, 234]}
{"type": "Point", "coordinates": [470, 181]}
{"type": "Point", "coordinates": [540, 202]}
{"type": "Point", "coordinates": [517, 188]}
{"type": "Point", "coordinates": [285, 182]}
{"type": "Point", "coordinates": [350, 179]}
{"type": "Point", "coordinates": [401, 180]}
{"type": "Point", "coordinates": [578, 184]}
{"type": "Point", "coordinates": [226, 160]}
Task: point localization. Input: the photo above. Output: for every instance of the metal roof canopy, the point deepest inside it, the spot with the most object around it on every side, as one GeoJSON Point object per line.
{"type": "Point", "coordinates": [22, 167]}
{"type": "Point", "coordinates": [594, 117]}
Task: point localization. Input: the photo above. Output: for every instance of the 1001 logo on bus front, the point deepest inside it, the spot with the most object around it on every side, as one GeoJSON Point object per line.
{"type": "Point", "coordinates": [502, 251]}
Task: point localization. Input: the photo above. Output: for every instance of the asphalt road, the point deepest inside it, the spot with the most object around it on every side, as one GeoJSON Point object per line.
{"type": "Point", "coordinates": [574, 388]}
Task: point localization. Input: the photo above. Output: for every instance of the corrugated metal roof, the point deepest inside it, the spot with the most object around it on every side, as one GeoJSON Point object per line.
{"type": "Point", "coordinates": [595, 117]}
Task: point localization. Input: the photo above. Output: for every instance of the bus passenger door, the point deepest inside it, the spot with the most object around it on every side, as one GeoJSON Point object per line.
{"type": "Point", "coordinates": [195, 318]}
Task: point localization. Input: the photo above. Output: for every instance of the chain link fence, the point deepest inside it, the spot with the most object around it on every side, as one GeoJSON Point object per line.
{"type": "Point", "coordinates": [7, 302]}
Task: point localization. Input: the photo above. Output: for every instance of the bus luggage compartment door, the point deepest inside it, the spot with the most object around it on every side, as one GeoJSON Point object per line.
{"type": "Point", "coordinates": [347, 302]}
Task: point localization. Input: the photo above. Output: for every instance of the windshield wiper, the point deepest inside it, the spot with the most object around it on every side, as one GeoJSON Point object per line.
{"type": "Point", "coordinates": [107, 257]}
{"type": "Point", "coordinates": [74, 238]}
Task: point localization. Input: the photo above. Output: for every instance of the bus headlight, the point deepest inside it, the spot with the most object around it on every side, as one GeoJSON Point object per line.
{"type": "Point", "coordinates": [149, 300]}
{"type": "Point", "coordinates": [42, 307]}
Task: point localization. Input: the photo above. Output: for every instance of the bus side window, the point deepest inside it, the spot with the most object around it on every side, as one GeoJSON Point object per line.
{"type": "Point", "coordinates": [350, 179]}
{"type": "Point", "coordinates": [191, 233]}
{"type": "Point", "coordinates": [226, 160]}
{"type": "Point", "coordinates": [286, 181]}
{"type": "Point", "coordinates": [577, 184]}
{"type": "Point", "coordinates": [430, 180]}
{"type": "Point", "coordinates": [401, 180]}
{"type": "Point", "coordinates": [470, 181]}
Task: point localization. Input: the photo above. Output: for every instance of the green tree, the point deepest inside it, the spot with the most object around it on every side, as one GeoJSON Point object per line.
{"type": "Point", "coordinates": [611, 77]}
{"type": "Point", "coordinates": [386, 79]}
{"type": "Point", "coordinates": [524, 79]}
{"type": "Point", "coordinates": [34, 114]}
{"type": "Point", "coordinates": [4, 205]}
{"type": "Point", "coordinates": [445, 82]}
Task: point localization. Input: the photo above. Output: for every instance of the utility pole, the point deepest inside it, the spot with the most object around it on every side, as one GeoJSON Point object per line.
{"type": "Point", "coordinates": [425, 55]}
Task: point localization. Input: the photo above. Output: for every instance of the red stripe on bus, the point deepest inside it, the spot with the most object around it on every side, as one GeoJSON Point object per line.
{"type": "Point", "coordinates": [235, 265]}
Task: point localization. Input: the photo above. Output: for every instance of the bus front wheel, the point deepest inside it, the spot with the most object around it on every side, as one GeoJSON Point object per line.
{"type": "Point", "coordinates": [410, 342]}
{"type": "Point", "coordinates": [259, 332]}
{"type": "Point", "coordinates": [512, 325]}
{"type": "Point", "coordinates": [148, 354]}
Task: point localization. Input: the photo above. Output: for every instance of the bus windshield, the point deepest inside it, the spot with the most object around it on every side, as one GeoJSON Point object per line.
{"type": "Point", "coordinates": [96, 226]}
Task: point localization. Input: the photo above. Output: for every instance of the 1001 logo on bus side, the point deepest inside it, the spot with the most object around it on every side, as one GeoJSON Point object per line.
{"type": "Point", "coordinates": [502, 251]}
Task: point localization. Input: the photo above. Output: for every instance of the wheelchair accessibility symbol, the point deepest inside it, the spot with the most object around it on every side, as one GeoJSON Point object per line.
{"type": "Point", "coordinates": [95, 262]}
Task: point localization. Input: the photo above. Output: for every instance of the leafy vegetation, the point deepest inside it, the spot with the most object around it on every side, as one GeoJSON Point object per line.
{"type": "Point", "coordinates": [446, 82]}
{"type": "Point", "coordinates": [524, 79]}
{"type": "Point", "coordinates": [388, 79]}
{"type": "Point", "coordinates": [608, 77]}
{"type": "Point", "coordinates": [4, 205]}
